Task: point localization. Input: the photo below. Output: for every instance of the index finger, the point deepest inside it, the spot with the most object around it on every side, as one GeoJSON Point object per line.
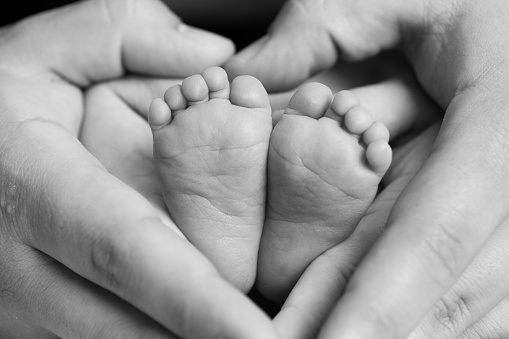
{"type": "Point", "coordinates": [436, 228]}
{"type": "Point", "coordinates": [91, 41]}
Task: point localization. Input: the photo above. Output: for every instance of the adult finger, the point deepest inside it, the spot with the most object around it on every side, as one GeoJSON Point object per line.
{"type": "Point", "coordinates": [325, 279]}
{"type": "Point", "coordinates": [493, 326]}
{"type": "Point", "coordinates": [95, 40]}
{"type": "Point", "coordinates": [40, 298]}
{"type": "Point", "coordinates": [479, 290]}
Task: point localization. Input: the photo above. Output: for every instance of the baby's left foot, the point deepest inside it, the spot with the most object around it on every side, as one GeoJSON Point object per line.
{"type": "Point", "coordinates": [325, 164]}
{"type": "Point", "coordinates": [210, 151]}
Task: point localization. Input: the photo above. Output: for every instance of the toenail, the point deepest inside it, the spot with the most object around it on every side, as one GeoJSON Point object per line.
{"type": "Point", "coordinates": [195, 88]}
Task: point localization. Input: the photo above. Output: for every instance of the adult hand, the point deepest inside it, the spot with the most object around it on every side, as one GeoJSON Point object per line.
{"type": "Point", "coordinates": [459, 199]}
{"type": "Point", "coordinates": [81, 253]}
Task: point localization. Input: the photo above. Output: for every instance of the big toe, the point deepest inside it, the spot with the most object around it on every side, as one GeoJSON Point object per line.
{"type": "Point", "coordinates": [311, 99]}
{"type": "Point", "coordinates": [295, 48]}
{"type": "Point", "coordinates": [247, 91]}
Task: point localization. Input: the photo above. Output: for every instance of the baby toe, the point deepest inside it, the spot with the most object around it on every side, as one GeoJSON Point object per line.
{"type": "Point", "coordinates": [311, 99]}
{"type": "Point", "coordinates": [377, 131]}
{"type": "Point", "coordinates": [343, 102]}
{"type": "Point", "coordinates": [175, 98]}
{"type": "Point", "coordinates": [358, 120]}
{"type": "Point", "coordinates": [159, 114]}
{"type": "Point", "coordinates": [379, 156]}
{"type": "Point", "coordinates": [217, 82]}
{"type": "Point", "coordinates": [195, 89]}
{"type": "Point", "coordinates": [247, 91]}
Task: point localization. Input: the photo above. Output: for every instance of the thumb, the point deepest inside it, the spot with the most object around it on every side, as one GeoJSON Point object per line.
{"type": "Point", "coordinates": [308, 36]}
{"type": "Point", "coordinates": [97, 40]}
{"type": "Point", "coordinates": [158, 43]}
{"type": "Point", "coordinates": [294, 49]}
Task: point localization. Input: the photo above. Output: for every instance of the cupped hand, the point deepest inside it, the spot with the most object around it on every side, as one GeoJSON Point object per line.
{"type": "Point", "coordinates": [82, 253]}
{"type": "Point", "coordinates": [458, 201]}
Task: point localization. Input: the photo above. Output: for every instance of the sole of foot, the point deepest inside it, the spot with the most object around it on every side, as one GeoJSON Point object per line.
{"type": "Point", "coordinates": [211, 141]}
{"type": "Point", "coordinates": [326, 159]}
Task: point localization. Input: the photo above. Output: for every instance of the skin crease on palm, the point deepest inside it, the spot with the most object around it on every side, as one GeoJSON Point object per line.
{"type": "Point", "coordinates": [458, 50]}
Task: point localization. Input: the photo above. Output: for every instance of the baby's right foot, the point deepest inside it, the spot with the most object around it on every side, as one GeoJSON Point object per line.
{"type": "Point", "coordinates": [210, 151]}
{"type": "Point", "coordinates": [325, 164]}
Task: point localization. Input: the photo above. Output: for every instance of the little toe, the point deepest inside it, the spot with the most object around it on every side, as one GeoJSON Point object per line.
{"type": "Point", "coordinates": [247, 91]}
{"type": "Point", "coordinates": [159, 114]}
{"type": "Point", "coordinates": [343, 102]}
{"type": "Point", "coordinates": [379, 156]}
{"type": "Point", "coordinates": [175, 98]}
{"type": "Point", "coordinates": [217, 82]}
{"type": "Point", "coordinates": [195, 89]}
{"type": "Point", "coordinates": [311, 99]}
{"type": "Point", "coordinates": [358, 120]}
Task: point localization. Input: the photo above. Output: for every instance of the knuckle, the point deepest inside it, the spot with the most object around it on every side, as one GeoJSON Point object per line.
{"type": "Point", "coordinates": [451, 313]}
{"type": "Point", "coordinates": [493, 326]}
{"type": "Point", "coordinates": [109, 261]}
{"type": "Point", "coordinates": [446, 252]}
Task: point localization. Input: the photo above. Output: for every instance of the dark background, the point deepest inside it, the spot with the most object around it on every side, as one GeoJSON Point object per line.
{"type": "Point", "coordinates": [243, 21]}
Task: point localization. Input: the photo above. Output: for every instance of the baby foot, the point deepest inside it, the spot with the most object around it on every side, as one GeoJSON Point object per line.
{"type": "Point", "coordinates": [210, 150]}
{"type": "Point", "coordinates": [325, 163]}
